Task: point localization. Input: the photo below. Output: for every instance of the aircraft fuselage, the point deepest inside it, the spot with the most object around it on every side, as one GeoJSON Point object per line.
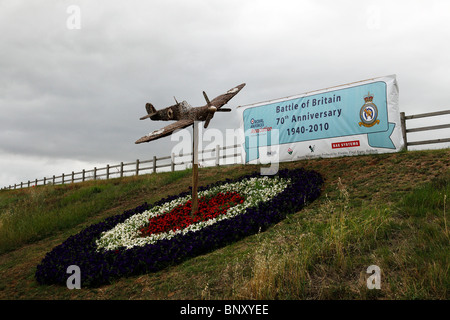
{"type": "Point", "coordinates": [181, 111]}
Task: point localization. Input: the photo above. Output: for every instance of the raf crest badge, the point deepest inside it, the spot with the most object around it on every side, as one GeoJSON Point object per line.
{"type": "Point", "coordinates": [368, 112]}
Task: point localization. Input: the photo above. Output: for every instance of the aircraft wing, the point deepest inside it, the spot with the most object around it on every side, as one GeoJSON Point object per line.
{"type": "Point", "coordinates": [167, 130]}
{"type": "Point", "coordinates": [221, 100]}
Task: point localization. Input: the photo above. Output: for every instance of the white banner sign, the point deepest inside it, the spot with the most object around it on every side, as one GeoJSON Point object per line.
{"type": "Point", "coordinates": [352, 119]}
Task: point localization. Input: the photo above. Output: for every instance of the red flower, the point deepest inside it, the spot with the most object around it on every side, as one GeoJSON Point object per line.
{"type": "Point", "coordinates": [180, 216]}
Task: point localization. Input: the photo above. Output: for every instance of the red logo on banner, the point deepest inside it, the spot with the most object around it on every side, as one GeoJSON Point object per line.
{"type": "Point", "coordinates": [347, 144]}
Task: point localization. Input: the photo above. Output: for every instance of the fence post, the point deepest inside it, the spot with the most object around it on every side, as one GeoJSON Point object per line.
{"type": "Point", "coordinates": [217, 155]}
{"type": "Point", "coordinates": [95, 173]}
{"type": "Point", "coordinates": [121, 169]}
{"type": "Point", "coordinates": [83, 175]}
{"type": "Point", "coordinates": [172, 159]}
{"type": "Point", "coordinates": [45, 181]}
{"type": "Point", "coordinates": [224, 155]}
{"type": "Point", "coordinates": [403, 123]}
{"type": "Point", "coordinates": [73, 177]}
{"type": "Point", "coordinates": [21, 185]}
{"type": "Point", "coordinates": [137, 166]}
{"type": "Point", "coordinates": [107, 171]}
{"type": "Point", "coordinates": [62, 178]}
{"type": "Point", "coordinates": [154, 164]}
{"type": "Point", "coordinates": [53, 180]}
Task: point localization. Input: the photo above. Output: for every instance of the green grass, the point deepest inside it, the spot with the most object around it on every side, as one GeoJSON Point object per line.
{"type": "Point", "coordinates": [388, 210]}
{"type": "Point", "coordinates": [428, 199]}
{"type": "Point", "coordinates": [31, 214]}
{"type": "Point", "coordinates": [323, 252]}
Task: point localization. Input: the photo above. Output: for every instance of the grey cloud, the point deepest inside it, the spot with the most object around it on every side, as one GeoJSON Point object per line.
{"type": "Point", "coordinates": [78, 94]}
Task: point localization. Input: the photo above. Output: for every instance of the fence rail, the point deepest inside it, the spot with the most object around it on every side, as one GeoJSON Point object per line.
{"type": "Point", "coordinates": [217, 156]}
{"type": "Point", "coordinates": [405, 130]}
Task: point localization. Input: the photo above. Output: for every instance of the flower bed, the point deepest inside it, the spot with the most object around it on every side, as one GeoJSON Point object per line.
{"type": "Point", "coordinates": [128, 234]}
{"type": "Point", "coordinates": [133, 243]}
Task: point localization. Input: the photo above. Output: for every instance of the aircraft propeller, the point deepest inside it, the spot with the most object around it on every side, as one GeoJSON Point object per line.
{"type": "Point", "coordinates": [211, 110]}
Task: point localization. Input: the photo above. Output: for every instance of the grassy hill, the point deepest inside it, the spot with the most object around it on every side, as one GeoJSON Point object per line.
{"type": "Point", "coordinates": [389, 210]}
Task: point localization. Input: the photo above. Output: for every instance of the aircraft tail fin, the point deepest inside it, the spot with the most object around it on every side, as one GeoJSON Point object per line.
{"type": "Point", "coordinates": [150, 108]}
{"type": "Point", "coordinates": [150, 111]}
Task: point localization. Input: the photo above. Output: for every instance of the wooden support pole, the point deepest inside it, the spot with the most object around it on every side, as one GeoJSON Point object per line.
{"type": "Point", "coordinates": [194, 168]}
{"type": "Point", "coordinates": [194, 188]}
{"type": "Point", "coordinates": [172, 162]}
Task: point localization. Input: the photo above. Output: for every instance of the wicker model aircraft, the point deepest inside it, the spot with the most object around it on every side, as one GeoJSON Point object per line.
{"type": "Point", "coordinates": [185, 115]}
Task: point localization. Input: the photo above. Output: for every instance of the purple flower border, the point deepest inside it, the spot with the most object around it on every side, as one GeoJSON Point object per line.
{"type": "Point", "coordinates": [98, 268]}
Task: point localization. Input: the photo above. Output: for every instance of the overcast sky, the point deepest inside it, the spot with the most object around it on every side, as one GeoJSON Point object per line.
{"type": "Point", "coordinates": [75, 75]}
